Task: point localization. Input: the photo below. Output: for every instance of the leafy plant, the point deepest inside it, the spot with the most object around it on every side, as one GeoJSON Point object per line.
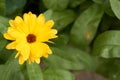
{"type": "Point", "coordinates": [88, 39]}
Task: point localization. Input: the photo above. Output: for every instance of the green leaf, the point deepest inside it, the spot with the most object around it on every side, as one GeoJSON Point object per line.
{"type": "Point", "coordinates": [62, 40]}
{"type": "Point", "coordinates": [2, 7]}
{"type": "Point", "coordinates": [105, 23]}
{"type": "Point", "coordinates": [56, 4]}
{"type": "Point", "coordinates": [3, 24]}
{"type": "Point", "coordinates": [63, 18]}
{"type": "Point", "coordinates": [4, 21]}
{"type": "Point", "coordinates": [85, 5]}
{"type": "Point", "coordinates": [85, 27]}
{"type": "Point", "coordinates": [2, 42]}
{"type": "Point", "coordinates": [3, 28]}
{"type": "Point", "coordinates": [99, 1]}
{"type": "Point", "coordinates": [5, 54]}
{"type": "Point", "coordinates": [107, 8]}
{"type": "Point", "coordinates": [107, 44]}
{"type": "Point", "coordinates": [34, 72]}
{"type": "Point", "coordinates": [8, 69]}
{"type": "Point", "coordinates": [109, 68]}
{"type": "Point", "coordinates": [57, 74]}
{"type": "Point", "coordinates": [48, 14]}
{"type": "Point", "coordinates": [14, 5]}
{"type": "Point", "coordinates": [115, 4]}
{"type": "Point", "coordinates": [75, 3]}
{"type": "Point", "coordinates": [106, 5]}
{"type": "Point", "coordinates": [70, 58]}
{"type": "Point", "coordinates": [17, 76]}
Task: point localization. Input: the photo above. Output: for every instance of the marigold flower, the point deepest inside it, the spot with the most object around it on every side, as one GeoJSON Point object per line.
{"type": "Point", "coordinates": [28, 36]}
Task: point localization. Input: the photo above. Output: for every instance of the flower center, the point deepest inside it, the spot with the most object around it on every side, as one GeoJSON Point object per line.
{"type": "Point", "coordinates": [31, 38]}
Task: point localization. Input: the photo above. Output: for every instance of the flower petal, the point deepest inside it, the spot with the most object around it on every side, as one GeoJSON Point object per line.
{"type": "Point", "coordinates": [36, 51]}
{"type": "Point", "coordinates": [45, 48]}
{"type": "Point", "coordinates": [33, 21]}
{"type": "Point", "coordinates": [15, 33]}
{"type": "Point", "coordinates": [39, 24]}
{"type": "Point", "coordinates": [7, 36]}
{"type": "Point", "coordinates": [17, 54]}
{"type": "Point", "coordinates": [17, 24]}
{"type": "Point", "coordinates": [48, 35]}
{"type": "Point", "coordinates": [11, 45]}
{"type": "Point", "coordinates": [24, 49]}
{"type": "Point", "coordinates": [40, 48]}
{"type": "Point", "coordinates": [31, 58]}
{"type": "Point", "coordinates": [53, 33]}
{"type": "Point", "coordinates": [37, 60]}
{"type": "Point", "coordinates": [21, 60]}
{"type": "Point", "coordinates": [41, 19]}
{"type": "Point", "coordinates": [26, 22]}
{"type": "Point", "coordinates": [49, 24]}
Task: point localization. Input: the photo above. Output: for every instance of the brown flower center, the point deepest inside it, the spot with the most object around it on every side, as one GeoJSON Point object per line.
{"type": "Point", "coordinates": [31, 38]}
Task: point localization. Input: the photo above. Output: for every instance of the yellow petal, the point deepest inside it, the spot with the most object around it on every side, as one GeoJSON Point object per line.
{"type": "Point", "coordinates": [39, 24]}
{"type": "Point", "coordinates": [41, 19]}
{"type": "Point", "coordinates": [15, 33]}
{"type": "Point", "coordinates": [18, 19]}
{"type": "Point", "coordinates": [48, 35]}
{"type": "Point", "coordinates": [45, 55]}
{"type": "Point", "coordinates": [36, 51]}
{"type": "Point", "coordinates": [7, 36]}
{"type": "Point", "coordinates": [17, 24]}
{"type": "Point", "coordinates": [17, 54]}
{"type": "Point", "coordinates": [49, 24]}
{"type": "Point", "coordinates": [21, 60]}
{"type": "Point", "coordinates": [26, 19]}
{"type": "Point", "coordinates": [45, 48]}
{"type": "Point", "coordinates": [26, 22]}
{"type": "Point", "coordinates": [53, 33]}
{"type": "Point", "coordinates": [11, 22]}
{"type": "Point", "coordinates": [24, 49]}
{"type": "Point", "coordinates": [29, 61]}
{"type": "Point", "coordinates": [31, 58]}
{"type": "Point", "coordinates": [37, 61]}
{"type": "Point", "coordinates": [50, 42]}
{"type": "Point", "coordinates": [33, 20]}
{"type": "Point", "coordinates": [11, 45]}
{"type": "Point", "coordinates": [39, 49]}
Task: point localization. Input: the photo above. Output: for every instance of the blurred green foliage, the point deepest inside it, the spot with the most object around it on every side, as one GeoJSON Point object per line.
{"type": "Point", "coordinates": [88, 39]}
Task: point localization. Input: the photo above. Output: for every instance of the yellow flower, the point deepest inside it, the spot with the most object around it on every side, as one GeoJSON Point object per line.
{"type": "Point", "coordinates": [28, 36]}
